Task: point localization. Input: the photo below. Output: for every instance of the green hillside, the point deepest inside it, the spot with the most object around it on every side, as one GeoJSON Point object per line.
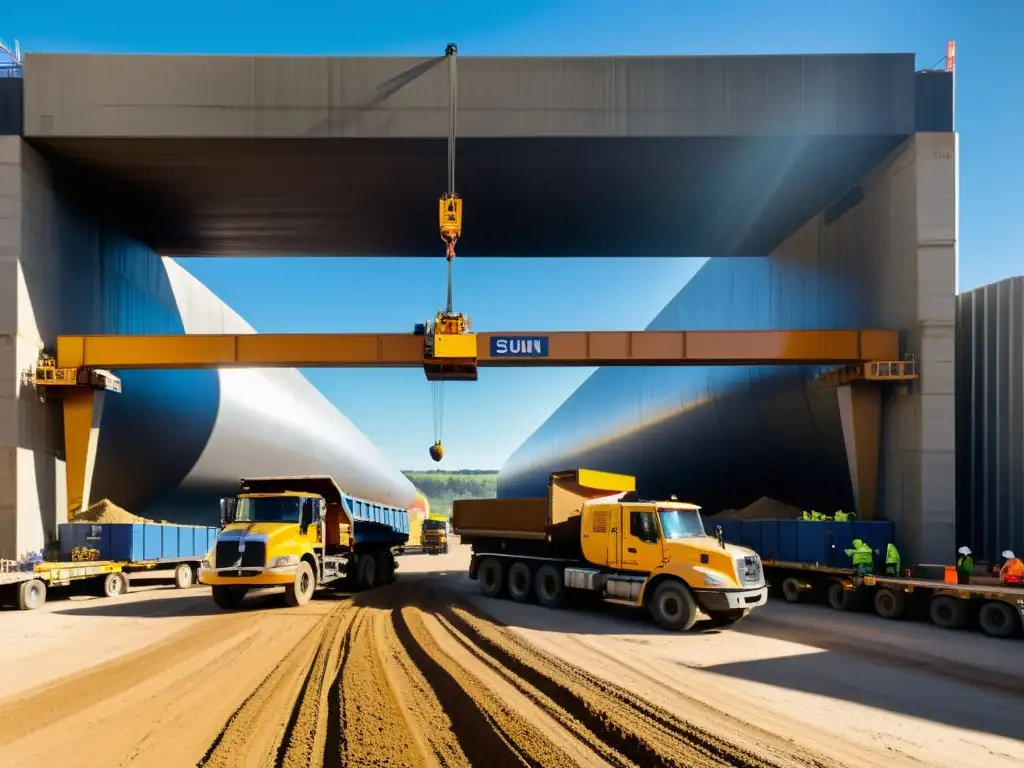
{"type": "Point", "coordinates": [442, 487]}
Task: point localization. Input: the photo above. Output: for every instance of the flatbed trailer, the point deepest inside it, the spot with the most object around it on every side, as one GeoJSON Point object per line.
{"type": "Point", "coordinates": [998, 610]}
{"type": "Point", "coordinates": [27, 589]}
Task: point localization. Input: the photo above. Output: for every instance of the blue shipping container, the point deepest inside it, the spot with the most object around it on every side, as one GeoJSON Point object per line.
{"type": "Point", "coordinates": [138, 542]}
{"type": "Point", "coordinates": [803, 541]}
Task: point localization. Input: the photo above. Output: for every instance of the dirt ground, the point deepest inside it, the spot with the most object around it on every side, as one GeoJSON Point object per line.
{"type": "Point", "coordinates": [425, 672]}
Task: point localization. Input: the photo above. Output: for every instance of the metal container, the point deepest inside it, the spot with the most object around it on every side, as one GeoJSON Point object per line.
{"type": "Point", "coordinates": [805, 541]}
{"type": "Point", "coordinates": [138, 542]}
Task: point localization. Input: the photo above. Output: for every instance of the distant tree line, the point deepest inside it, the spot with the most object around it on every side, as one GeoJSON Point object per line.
{"type": "Point", "coordinates": [442, 488]}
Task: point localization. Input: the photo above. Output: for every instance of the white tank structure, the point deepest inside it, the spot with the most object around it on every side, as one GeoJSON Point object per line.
{"type": "Point", "coordinates": [175, 441]}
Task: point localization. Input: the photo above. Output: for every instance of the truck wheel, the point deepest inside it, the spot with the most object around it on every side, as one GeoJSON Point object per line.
{"type": "Point", "coordinates": [673, 607]}
{"type": "Point", "coordinates": [840, 598]}
{"type": "Point", "coordinates": [31, 594]}
{"type": "Point", "coordinates": [228, 597]}
{"type": "Point", "coordinates": [948, 612]}
{"type": "Point", "coordinates": [386, 568]}
{"type": "Point", "coordinates": [183, 576]}
{"type": "Point", "coordinates": [489, 574]}
{"type": "Point", "coordinates": [890, 603]}
{"type": "Point", "coordinates": [520, 582]}
{"type": "Point", "coordinates": [366, 571]}
{"type": "Point", "coordinates": [301, 591]}
{"type": "Point", "coordinates": [549, 585]}
{"type": "Point", "coordinates": [791, 590]}
{"type": "Point", "coordinates": [998, 619]}
{"type": "Point", "coordinates": [113, 585]}
{"type": "Point", "coordinates": [727, 618]}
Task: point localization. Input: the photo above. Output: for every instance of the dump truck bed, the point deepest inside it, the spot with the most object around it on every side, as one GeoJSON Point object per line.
{"type": "Point", "coordinates": [501, 518]}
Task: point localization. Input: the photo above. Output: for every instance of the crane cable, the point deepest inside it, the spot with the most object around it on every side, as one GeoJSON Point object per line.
{"type": "Point", "coordinates": [449, 237]}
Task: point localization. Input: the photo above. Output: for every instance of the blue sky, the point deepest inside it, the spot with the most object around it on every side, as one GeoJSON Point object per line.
{"type": "Point", "coordinates": [484, 422]}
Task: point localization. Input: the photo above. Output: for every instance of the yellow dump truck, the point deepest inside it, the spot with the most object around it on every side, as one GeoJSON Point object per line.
{"type": "Point", "coordinates": [435, 535]}
{"type": "Point", "coordinates": [301, 533]}
{"type": "Point", "coordinates": [593, 534]}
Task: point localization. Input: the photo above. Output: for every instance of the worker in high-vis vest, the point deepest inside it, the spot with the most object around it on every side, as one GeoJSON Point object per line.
{"type": "Point", "coordinates": [1012, 572]}
{"type": "Point", "coordinates": [862, 556]}
{"type": "Point", "coordinates": [964, 566]}
{"type": "Point", "coordinates": [892, 560]}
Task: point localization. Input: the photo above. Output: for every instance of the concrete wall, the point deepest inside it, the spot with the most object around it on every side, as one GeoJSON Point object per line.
{"type": "Point", "coordinates": [882, 256]}
{"type": "Point", "coordinates": [990, 418]}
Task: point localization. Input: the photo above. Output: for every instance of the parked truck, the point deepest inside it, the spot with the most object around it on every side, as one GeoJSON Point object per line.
{"type": "Point", "coordinates": [435, 535]}
{"type": "Point", "coordinates": [115, 551]}
{"type": "Point", "coordinates": [301, 533]}
{"type": "Point", "coordinates": [808, 561]}
{"type": "Point", "coordinates": [593, 534]}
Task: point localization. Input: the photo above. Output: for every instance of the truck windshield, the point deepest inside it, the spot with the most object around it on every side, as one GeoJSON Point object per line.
{"type": "Point", "coordinates": [268, 509]}
{"type": "Point", "coordinates": [433, 525]}
{"type": "Point", "coordinates": [681, 523]}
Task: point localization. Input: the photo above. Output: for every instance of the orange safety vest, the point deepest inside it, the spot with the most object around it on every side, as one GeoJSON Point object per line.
{"type": "Point", "coordinates": [1012, 572]}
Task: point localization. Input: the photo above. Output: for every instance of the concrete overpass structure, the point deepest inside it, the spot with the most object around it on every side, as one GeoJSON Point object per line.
{"type": "Point", "coordinates": [620, 156]}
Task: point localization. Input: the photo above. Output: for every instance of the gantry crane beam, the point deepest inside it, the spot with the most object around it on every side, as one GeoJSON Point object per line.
{"type": "Point", "coordinates": [494, 350]}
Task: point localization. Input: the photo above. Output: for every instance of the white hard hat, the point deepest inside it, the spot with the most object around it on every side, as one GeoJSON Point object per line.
{"type": "Point", "coordinates": [1008, 554]}
{"type": "Point", "coordinates": [964, 550]}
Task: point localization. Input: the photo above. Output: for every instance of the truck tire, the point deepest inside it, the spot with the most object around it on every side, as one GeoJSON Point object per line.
{"type": "Point", "coordinates": [491, 576]}
{"type": "Point", "coordinates": [183, 576]}
{"type": "Point", "coordinates": [520, 582]}
{"type": "Point", "coordinates": [113, 585]}
{"type": "Point", "coordinates": [791, 590]}
{"type": "Point", "coordinates": [549, 586]}
{"type": "Point", "coordinates": [366, 571]}
{"type": "Point", "coordinates": [228, 598]}
{"type": "Point", "coordinates": [386, 568]}
{"type": "Point", "coordinates": [727, 618]}
{"type": "Point", "coordinates": [890, 603]}
{"type": "Point", "coordinates": [301, 590]}
{"type": "Point", "coordinates": [31, 594]}
{"type": "Point", "coordinates": [673, 607]}
{"type": "Point", "coordinates": [948, 612]}
{"type": "Point", "coordinates": [999, 619]}
{"type": "Point", "coordinates": [839, 598]}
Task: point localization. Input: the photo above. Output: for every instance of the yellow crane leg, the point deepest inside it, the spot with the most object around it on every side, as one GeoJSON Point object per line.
{"type": "Point", "coordinates": [860, 409]}
{"type": "Point", "coordinates": [83, 408]}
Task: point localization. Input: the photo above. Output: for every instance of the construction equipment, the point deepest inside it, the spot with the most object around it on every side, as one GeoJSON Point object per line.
{"type": "Point", "coordinates": [592, 534]}
{"type": "Point", "coordinates": [435, 535]}
{"type": "Point", "coordinates": [449, 348]}
{"type": "Point", "coordinates": [301, 533]}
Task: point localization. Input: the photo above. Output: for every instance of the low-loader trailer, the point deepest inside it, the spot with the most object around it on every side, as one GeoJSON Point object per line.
{"type": "Point", "coordinates": [301, 533]}
{"type": "Point", "coordinates": [592, 534]}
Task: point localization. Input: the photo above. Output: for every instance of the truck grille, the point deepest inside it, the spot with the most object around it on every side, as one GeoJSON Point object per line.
{"type": "Point", "coordinates": [750, 570]}
{"type": "Point", "coordinates": [255, 555]}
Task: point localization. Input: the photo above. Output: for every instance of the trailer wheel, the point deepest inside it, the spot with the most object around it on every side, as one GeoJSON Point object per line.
{"type": "Point", "coordinates": [791, 590]}
{"type": "Point", "coordinates": [386, 568]}
{"type": "Point", "coordinates": [490, 576]}
{"type": "Point", "coordinates": [727, 618]}
{"type": "Point", "coordinates": [890, 603]}
{"type": "Point", "coordinates": [999, 619]}
{"type": "Point", "coordinates": [366, 570]}
{"type": "Point", "coordinates": [520, 582]}
{"type": "Point", "coordinates": [948, 612]}
{"type": "Point", "coordinates": [300, 591]}
{"type": "Point", "coordinates": [549, 586]}
{"type": "Point", "coordinates": [31, 594]}
{"type": "Point", "coordinates": [840, 598]}
{"type": "Point", "coordinates": [183, 576]}
{"type": "Point", "coordinates": [673, 607]}
{"type": "Point", "coordinates": [227, 597]}
{"type": "Point", "coordinates": [113, 585]}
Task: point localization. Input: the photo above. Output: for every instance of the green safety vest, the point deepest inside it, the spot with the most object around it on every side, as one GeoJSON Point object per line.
{"type": "Point", "coordinates": [965, 564]}
{"type": "Point", "coordinates": [892, 556]}
{"type": "Point", "coordinates": [861, 554]}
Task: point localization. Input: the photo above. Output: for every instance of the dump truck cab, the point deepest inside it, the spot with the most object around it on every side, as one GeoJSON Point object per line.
{"type": "Point", "coordinates": [435, 535]}
{"type": "Point", "coordinates": [300, 533]}
{"type": "Point", "coordinates": [594, 533]}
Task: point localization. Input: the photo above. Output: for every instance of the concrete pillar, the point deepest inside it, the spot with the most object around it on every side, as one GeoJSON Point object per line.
{"type": "Point", "coordinates": [32, 487]}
